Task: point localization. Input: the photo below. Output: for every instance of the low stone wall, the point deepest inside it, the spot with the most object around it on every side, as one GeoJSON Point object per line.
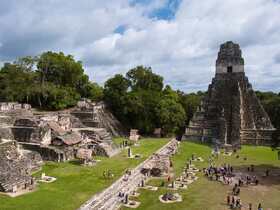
{"type": "Point", "coordinates": [46, 153]}
{"type": "Point", "coordinates": [9, 106]}
{"type": "Point", "coordinates": [257, 137]}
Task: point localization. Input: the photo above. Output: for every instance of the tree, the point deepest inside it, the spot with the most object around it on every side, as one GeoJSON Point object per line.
{"type": "Point", "coordinates": [190, 102]}
{"type": "Point", "coordinates": [143, 98]}
{"type": "Point", "coordinates": [93, 91]}
{"type": "Point", "coordinates": [139, 101]}
{"type": "Point", "coordinates": [60, 69]}
{"type": "Point", "coordinates": [171, 115]}
{"type": "Point", "coordinates": [49, 81]}
{"type": "Point", "coordinates": [115, 92]}
{"type": "Point", "coordinates": [16, 83]}
{"type": "Point", "coordinates": [143, 78]}
{"type": "Point", "coordinates": [271, 104]}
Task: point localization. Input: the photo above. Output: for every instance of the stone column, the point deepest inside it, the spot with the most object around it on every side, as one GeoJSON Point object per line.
{"type": "Point", "coordinates": [173, 184]}
{"type": "Point", "coordinates": [142, 183]}
{"type": "Point", "coordinates": [129, 152]}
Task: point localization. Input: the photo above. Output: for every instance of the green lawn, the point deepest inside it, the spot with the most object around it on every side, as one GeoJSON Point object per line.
{"type": "Point", "coordinates": [75, 184]}
{"type": "Point", "coordinates": [210, 195]}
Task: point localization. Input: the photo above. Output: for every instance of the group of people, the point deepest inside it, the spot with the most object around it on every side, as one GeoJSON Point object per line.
{"type": "Point", "coordinates": [252, 180]}
{"type": "Point", "coordinates": [248, 180]}
{"type": "Point", "coordinates": [234, 202]}
{"type": "Point", "coordinates": [124, 197]}
{"type": "Point", "coordinates": [108, 174]}
{"type": "Point", "coordinates": [224, 173]}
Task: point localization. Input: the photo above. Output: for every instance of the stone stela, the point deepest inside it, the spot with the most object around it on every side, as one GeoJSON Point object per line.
{"type": "Point", "coordinates": [129, 152]}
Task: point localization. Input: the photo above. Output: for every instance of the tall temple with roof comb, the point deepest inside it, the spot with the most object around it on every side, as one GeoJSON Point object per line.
{"type": "Point", "coordinates": [230, 113]}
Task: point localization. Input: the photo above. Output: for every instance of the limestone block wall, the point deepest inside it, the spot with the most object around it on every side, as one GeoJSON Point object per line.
{"type": "Point", "coordinates": [15, 171]}
{"type": "Point", "coordinates": [32, 134]}
{"type": "Point", "coordinates": [256, 137]}
{"type": "Point", "coordinates": [9, 106]}
{"type": "Point", "coordinates": [86, 117]}
{"type": "Point", "coordinates": [97, 115]}
{"type": "Point", "coordinates": [6, 133]}
{"type": "Point", "coordinates": [47, 153]}
{"type": "Point", "coordinates": [223, 68]}
{"type": "Point", "coordinates": [233, 113]}
{"type": "Point", "coordinates": [31, 130]}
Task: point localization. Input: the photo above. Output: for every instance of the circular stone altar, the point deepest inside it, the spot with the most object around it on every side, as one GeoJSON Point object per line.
{"type": "Point", "coordinates": [170, 198]}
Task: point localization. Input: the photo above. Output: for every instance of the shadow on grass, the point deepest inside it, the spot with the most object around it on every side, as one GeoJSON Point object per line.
{"type": "Point", "coordinates": [260, 171]}
{"type": "Point", "coordinates": [75, 162]}
{"type": "Point", "coordinates": [199, 143]}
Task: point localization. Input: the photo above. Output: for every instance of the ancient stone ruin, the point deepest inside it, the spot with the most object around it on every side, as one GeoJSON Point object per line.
{"type": "Point", "coordinates": [230, 113]}
{"type": "Point", "coordinates": [134, 135]}
{"type": "Point", "coordinates": [157, 133]}
{"type": "Point", "coordinates": [27, 137]}
{"type": "Point", "coordinates": [97, 115]}
{"type": "Point", "coordinates": [57, 136]}
{"type": "Point", "coordinates": [16, 166]}
{"type": "Point", "coordinates": [170, 197]}
{"type": "Point", "coordinates": [159, 165]}
{"type": "Point", "coordinates": [12, 106]}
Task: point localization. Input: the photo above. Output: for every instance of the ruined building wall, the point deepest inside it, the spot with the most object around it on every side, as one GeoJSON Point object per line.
{"type": "Point", "coordinates": [31, 130]}
{"type": "Point", "coordinates": [97, 115]}
{"type": "Point", "coordinates": [16, 166]}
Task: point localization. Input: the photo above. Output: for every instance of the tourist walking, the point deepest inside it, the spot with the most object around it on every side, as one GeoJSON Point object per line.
{"type": "Point", "coordinates": [228, 200]}
{"type": "Point", "coordinates": [250, 206]}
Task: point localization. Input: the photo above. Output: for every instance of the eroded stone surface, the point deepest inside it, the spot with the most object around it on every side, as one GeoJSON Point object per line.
{"type": "Point", "coordinates": [57, 136]}
{"type": "Point", "coordinates": [16, 166]}
{"type": "Point", "coordinates": [97, 115]}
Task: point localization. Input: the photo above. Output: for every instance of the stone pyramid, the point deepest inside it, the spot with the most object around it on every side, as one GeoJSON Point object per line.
{"type": "Point", "coordinates": [230, 113]}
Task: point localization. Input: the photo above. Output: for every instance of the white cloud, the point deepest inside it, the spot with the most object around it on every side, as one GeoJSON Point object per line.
{"type": "Point", "coordinates": [183, 49]}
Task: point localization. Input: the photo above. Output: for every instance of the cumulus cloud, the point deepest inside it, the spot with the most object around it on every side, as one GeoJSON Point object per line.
{"type": "Point", "coordinates": [179, 39]}
{"type": "Point", "coordinates": [277, 58]}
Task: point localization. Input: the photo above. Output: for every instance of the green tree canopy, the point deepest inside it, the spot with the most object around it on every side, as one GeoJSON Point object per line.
{"type": "Point", "coordinates": [141, 102]}
{"type": "Point", "coordinates": [143, 78]}
{"type": "Point", "coordinates": [271, 103]}
{"type": "Point", "coordinates": [49, 81]}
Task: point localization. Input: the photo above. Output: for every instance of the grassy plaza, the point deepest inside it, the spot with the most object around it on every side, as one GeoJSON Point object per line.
{"type": "Point", "coordinates": [211, 195]}
{"type": "Point", "coordinates": [75, 183]}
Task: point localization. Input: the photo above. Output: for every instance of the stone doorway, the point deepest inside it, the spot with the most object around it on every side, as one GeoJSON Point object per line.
{"type": "Point", "coordinates": [229, 69]}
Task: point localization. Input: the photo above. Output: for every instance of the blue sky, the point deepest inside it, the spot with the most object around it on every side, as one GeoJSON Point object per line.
{"type": "Point", "coordinates": [165, 11]}
{"type": "Point", "coordinates": [179, 39]}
